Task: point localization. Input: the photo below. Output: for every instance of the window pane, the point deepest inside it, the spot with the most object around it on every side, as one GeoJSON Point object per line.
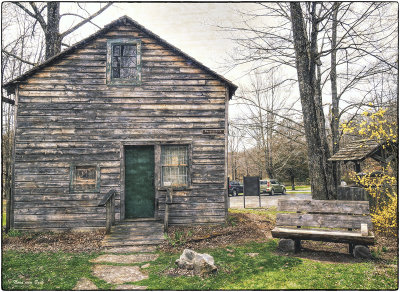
{"type": "Point", "coordinates": [85, 173]}
{"type": "Point", "coordinates": [174, 175]}
{"type": "Point", "coordinates": [124, 62]}
{"type": "Point", "coordinates": [174, 165]}
{"type": "Point", "coordinates": [128, 73]}
{"type": "Point", "coordinates": [128, 62]}
{"type": "Point", "coordinates": [129, 50]}
{"type": "Point", "coordinates": [174, 155]}
{"type": "Point", "coordinates": [116, 50]}
{"type": "Point", "coordinates": [115, 72]}
{"type": "Point", "coordinates": [116, 62]}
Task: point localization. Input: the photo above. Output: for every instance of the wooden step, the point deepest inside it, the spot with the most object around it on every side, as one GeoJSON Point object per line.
{"type": "Point", "coordinates": [131, 233]}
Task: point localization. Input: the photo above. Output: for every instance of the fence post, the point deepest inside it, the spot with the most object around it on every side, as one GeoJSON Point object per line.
{"type": "Point", "coordinates": [113, 209]}
{"type": "Point", "coordinates": [168, 201]}
{"type": "Point", "coordinates": [108, 216]}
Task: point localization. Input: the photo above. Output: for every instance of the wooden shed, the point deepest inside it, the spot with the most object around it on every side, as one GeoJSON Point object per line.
{"type": "Point", "coordinates": [125, 110]}
{"type": "Point", "coordinates": [356, 151]}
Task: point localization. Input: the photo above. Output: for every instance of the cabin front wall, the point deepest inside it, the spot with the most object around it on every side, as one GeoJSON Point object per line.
{"type": "Point", "coordinates": [67, 114]}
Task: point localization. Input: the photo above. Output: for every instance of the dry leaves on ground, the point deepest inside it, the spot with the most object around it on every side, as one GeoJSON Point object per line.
{"type": "Point", "coordinates": [241, 228]}
{"type": "Point", "coordinates": [54, 242]}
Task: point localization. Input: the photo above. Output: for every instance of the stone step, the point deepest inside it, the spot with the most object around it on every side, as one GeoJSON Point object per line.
{"type": "Point", "coordinates": [129, 243]}
{"type": "Point", "coordinates": [125, 259]}
{"type": "Point", "coordinates": [132, 235]}
{"type": "Point", "coordinates": [130, 249]}
{"type": "Point", "coordinates": [140, 223]}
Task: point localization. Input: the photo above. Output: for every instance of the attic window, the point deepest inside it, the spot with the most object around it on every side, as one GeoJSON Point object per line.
{"type": "Point", "coordinates": [124, 62]}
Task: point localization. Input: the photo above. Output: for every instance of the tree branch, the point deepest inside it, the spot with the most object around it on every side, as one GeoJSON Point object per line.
{"type": "Point", "coordinates": [80, 16]}
{"type": "Point", "coordinates": [25, 9]}
{"type": "Point", "coordinates": [18, 58]}
{"type": "Point", "coordinates": [38, 16]}
{"type": "Point", "coordinates": [85, 21]}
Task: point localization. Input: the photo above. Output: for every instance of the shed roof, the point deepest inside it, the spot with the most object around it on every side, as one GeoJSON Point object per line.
{"type": "Point", "coordinates": [125, 20]}
{"type": "Point", "coordinates": [356, 150]}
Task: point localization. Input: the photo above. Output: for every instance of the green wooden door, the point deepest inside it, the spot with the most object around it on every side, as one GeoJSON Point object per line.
{"type": "Point", "coordinates": [139, 182]}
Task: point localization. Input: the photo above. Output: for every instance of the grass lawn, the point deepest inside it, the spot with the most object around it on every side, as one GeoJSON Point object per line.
{"type": "Point", "coordinates": [46, 270]}
{"type": "Point", "coordinates": [269, 213]}
{"type": "Point", "coordinates": [306, 188]}
{"type": "Point", "coordinates": [237, 271]}
{"type": "Point", "coordinates": [3, 221]}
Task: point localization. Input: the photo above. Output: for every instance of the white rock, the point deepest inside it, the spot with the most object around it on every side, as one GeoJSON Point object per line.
{"type": "Point", "coordinates": [202, 264]}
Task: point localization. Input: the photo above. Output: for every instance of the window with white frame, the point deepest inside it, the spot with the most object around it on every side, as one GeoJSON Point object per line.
{"type": "Point", "coordinates": [174, 166]}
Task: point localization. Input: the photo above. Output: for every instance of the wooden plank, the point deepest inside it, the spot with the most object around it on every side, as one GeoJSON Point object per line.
{"type": "Point", "coordinates": [324, 206]}
{"type": "Point", "coordinates": [56, 204]}
{"type": "Point", "coordinates": [104, 87]}
{"type": "Point", "coordinates": [59, 217]}
{"type": "Point", "coordinates": [190, 213]}
{"type": "Point", "coordinates": [118, 94]}
{"type": "Point", "coordinates": [60, 224]}
{"type": "Point", "coordinates": [127, 106]}
{"type": "Point", "coordinates": [39, 82]}
{"type": "Point", "coordinates": [58, 197]}
{"type": "Point", "coordinates": [322, 220]}
{"type": "Point", "coordinates": [323, 235]}
{"type": "Point", "coordinates": [197, 220]}
{"type": "Point", "coordinates": [61, 210]}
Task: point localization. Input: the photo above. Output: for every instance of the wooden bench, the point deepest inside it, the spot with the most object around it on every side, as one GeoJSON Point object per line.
{"type": "Point", "coordinates": [331, 221]}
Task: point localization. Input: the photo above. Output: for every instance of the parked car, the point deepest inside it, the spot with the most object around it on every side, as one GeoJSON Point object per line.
{"type": "Point", "coordinates": [235, 188]}
{"type": "Point", "coordinates": [272, 186]}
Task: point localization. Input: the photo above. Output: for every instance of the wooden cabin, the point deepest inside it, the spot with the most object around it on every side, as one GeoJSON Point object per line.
{"type": "Point", "coordinates": [121, 110]}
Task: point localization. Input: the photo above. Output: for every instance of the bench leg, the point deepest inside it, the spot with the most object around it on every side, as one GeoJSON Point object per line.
{"type": "Point", "coordinates": [351, 248]}
{"type": "Point", "coordinates": [297, 245]}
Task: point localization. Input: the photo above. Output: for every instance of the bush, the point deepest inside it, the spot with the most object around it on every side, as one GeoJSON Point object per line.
{"type": "Point", "coordinates": [382, 191]}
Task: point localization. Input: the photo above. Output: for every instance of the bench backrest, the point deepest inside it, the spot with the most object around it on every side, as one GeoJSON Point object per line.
{"type": "Point", "coordinates": [324, 213]}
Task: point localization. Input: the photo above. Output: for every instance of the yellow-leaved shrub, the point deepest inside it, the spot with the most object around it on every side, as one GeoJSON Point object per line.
{"type": "Point", "coordinates": [382, 187]}
{"type": "Point", "coordinates": [383, 197]}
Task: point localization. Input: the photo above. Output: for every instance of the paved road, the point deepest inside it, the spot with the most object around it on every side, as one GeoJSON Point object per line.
{"type": "Point", "coordinates": [266, 201]}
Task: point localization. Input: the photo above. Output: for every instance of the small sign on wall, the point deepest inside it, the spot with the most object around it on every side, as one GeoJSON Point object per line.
{"type": "Point", "coordinates": [213, 132]}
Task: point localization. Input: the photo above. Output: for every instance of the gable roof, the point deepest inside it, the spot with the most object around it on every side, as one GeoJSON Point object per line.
{"type": "Point", "coordinates": [124, 20]}
{"type": "Point", "coordinates": [357, 150]}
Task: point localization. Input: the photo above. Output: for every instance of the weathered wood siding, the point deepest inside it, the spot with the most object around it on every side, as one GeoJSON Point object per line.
{"type": "Point", "coordinates": [67, 113]}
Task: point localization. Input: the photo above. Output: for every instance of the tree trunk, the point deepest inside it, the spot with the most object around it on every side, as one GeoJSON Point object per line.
{"type": "Point", "coordinates": [306, 62]}
{"type": "Point", "coordinates": [292, 181]}
{"type": "Point", "coordinates": [52, 34]}
{"type": "Point", "coordinates": [335, 100]}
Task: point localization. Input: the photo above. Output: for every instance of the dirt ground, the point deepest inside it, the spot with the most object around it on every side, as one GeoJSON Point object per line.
{"type": "Point", "coordinates": [53, 242]}
{"type": "Point", "coordinates": [240, 228]}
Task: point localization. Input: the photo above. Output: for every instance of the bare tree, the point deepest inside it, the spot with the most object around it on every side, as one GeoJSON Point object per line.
{"type": "Point", "coordinates": [234, 141]}
{"type": "Point", "coordinates": [263, 110]}
{"type": "Point", "coordinates": [311, 100]}
{"type": "Point", "coordinates": [51, 11]}
{"type": "Point", "coordinates": [348, 45]}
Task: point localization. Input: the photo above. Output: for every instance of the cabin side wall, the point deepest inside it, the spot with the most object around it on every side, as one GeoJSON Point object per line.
{"type": "Point", "coordinates": [68, 114]}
